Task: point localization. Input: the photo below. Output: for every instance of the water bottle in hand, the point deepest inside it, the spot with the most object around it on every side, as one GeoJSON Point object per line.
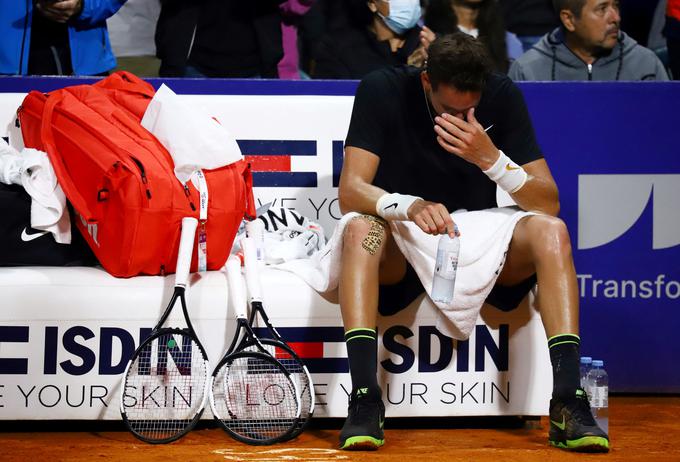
{"type": "Point", "coordinates": [445, 268]}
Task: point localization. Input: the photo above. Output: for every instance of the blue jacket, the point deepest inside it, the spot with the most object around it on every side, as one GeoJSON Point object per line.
{"type": "Point", "coordinates": [88, 38]}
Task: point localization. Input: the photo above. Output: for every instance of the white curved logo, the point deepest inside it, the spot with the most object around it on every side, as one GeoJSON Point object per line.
{"type": "Point", "coordinates": [609, 205]}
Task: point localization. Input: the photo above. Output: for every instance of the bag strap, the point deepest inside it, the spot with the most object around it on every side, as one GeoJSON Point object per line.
{"type": "Point", "coordinates": [251, 211]}
{"type": "Point", "coordinates": [65, 180]}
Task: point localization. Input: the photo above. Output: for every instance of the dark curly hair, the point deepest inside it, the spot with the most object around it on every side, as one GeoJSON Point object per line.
{"type": "Point", "coordinates": [458, 60]}
{"type": "Point", "coordinates": [442, 19]}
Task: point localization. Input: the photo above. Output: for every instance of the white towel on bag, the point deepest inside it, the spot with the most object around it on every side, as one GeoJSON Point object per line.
{"type": "Point", "coordinates": [485, 237]}
{"type": "Point", "coordinates": [195, 140]}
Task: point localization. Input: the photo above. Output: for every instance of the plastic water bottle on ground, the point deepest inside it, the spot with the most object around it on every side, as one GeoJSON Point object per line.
{"type": "Point", "coordinates": [598, 382]}
{"type": "Point", "coordinates": [445, 268]}
{"type": "Point", "coordinates": [586, 365]}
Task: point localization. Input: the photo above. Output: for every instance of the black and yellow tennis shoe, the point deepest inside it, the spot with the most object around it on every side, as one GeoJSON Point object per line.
{"type": "Point", "coordinates": [363, 429]}
{"type": "Point", "coordinates": [573, 427]}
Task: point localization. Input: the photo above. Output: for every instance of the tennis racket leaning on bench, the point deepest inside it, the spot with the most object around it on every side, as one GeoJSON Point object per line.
{"type": "Point", "coordinates": [253, 397]}
{"type": "Point", "coordinates": [276, 346]}
{"type": "Point", "coordinates": [166, 382]}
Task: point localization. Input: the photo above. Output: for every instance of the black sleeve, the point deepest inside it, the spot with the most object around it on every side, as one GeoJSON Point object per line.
{"type": "Point", "coordinates": [368, 127]}
{"type": "Point", "coordinates": [517, 137]}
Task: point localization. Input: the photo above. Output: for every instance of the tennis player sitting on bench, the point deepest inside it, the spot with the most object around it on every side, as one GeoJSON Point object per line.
{"type": "Point", "coordinates": [417, 149]}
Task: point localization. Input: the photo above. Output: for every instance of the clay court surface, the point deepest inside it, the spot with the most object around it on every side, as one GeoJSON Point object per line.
{"type": "Point", "coordinates": [641, 428]}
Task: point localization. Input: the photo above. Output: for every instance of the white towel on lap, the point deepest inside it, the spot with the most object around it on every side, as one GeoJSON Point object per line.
{"type": "Point", "coordinates": [485, 237]}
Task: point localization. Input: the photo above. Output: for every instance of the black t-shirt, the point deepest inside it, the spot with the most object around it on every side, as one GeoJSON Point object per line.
{"type": "Point", "coordinates": [352, 53]}
{"type": "Point", "coordinates": [390, 119]}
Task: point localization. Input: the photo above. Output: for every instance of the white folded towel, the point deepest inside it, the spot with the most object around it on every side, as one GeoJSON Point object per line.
{"type": "Point", "coordinates": [485, 237]}
{"type": "Point", "coordinates": [195, 140]}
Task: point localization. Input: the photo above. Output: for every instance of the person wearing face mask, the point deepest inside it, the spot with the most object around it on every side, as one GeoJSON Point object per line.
{"type": "Point", "coordinates": [379, 33]}
{"type": "Point", "coordinates": [589, 45]}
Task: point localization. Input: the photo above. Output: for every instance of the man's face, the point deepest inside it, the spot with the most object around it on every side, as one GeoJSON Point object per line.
{"type": "Point", "coordinates": [447, 99]}
{"type": "Point", "coordinates": [598, 26]}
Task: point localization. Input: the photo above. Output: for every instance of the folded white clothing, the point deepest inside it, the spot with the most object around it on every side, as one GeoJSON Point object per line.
{"type": "Point", "coordinates": [195, 140]}
{"type": "Point", "coordinates": [32, 170]}
{"type": "Point", "coordinates": [48, 201]}
{"type": "Point", "coordinates": [485, 237]}
{"type": "Point", "coordinates": [288, 236]}
{"type": "Point", "coordinates": [10, 164]}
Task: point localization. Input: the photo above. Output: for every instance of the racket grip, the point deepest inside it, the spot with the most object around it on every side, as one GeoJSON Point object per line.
{"type": "Point", "coordinates": [255, 230]}
{"type": "Point", "coordinates": [186, 251]}
{"type": "Point", "coordinates": [252, 270]}
{"type": "Point", "coordinates": [237, 293]}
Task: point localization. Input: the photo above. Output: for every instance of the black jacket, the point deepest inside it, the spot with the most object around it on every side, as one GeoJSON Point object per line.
{"type": "Point", "coordinates": [529, 17]}
{"type": "Point", "coordinates": [222, 38]}
{"type": "Point", "coordinates": [351, 53]}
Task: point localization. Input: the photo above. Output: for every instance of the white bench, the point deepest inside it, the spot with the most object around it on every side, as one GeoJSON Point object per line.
{"type": "Point", "coordinates": [65, 334]}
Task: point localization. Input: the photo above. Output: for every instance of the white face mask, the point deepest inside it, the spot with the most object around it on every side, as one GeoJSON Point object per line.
{"type": "Point", "coordinates": [404, 15]}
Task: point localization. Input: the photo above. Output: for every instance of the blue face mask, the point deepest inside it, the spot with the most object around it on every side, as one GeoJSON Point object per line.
{"type": "Point", "coordinates": [404, 15]}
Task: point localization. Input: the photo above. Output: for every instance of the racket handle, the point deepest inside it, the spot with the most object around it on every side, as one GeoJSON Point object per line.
{"type": "Point", "coordinates": [255, 230]}
{"type": "Point", "coordinates": [237, 292]}
{"type": "Point", "coordinates": [186, 251]}
{"type": "Point", "coordinates": [252, 270]}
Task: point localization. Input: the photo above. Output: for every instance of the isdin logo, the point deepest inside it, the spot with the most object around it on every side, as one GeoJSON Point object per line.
{"type": "Point", "coordinates": [609, 205]}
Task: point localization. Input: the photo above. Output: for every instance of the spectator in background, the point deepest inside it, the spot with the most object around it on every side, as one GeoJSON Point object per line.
{"type": "Point", "coordinates": [378, 33]}
{"type": "Point", "coordinates": [529, 19]}
{"type": "Point", "coordinates": [479, 18]}
{"type": "Point", "coordinates": [131, 32]}
{"type": "Point", "coordinates": [219, 38]}
{"type": "Point", "coordinates": [672, 32]}
{"type": "Point", "coordinates": [637, 17]}
{"type": "Point", "coordinates": [292, 12]}
{"type": "Point", "coordinates": [588, 46]}
{"type": "Point", "coordinates": [324, 16]}
{"type": "Point", "coordinates": [56, 37]}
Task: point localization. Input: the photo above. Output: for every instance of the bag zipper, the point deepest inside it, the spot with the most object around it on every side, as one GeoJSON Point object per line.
{"type": "Point", "coordinates": [142, 173]}
{"type": "Point", "coordinates": [188, 194]}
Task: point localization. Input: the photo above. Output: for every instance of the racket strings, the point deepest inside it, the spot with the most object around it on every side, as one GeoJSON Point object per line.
{"type": "Point", "coordinates": [255, 399]}
{"type": "Point", "coordinates": [297, 373]}
{"type": "Point", "coordinates": [164, 389]}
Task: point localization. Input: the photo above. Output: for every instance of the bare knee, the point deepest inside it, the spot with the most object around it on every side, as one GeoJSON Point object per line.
{"type": "Point", "coordinates": [366, 234]}
{"type": "Point", "coordinates": [549, 236]}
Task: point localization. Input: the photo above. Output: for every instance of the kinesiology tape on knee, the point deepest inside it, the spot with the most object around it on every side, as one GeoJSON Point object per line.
{"type": "Point", "coordinates": [507, 174]}
{"type": "Point", "coordinates": [375, 236]}
{"type": "Point", "coordinates": [394, 206]}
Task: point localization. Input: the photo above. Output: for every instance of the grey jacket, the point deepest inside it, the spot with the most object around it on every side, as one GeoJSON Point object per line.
{"type": "Point", "coordinates": [551, 59]}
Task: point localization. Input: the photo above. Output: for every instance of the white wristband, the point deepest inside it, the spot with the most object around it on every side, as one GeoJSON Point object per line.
{"type": "Point", "coordinates": [507, 174]}
{"type": "Point", "coordinates": [394, 206]}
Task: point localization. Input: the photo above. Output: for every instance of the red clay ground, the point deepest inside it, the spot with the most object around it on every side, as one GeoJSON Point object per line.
{"type": "Point", "coordinates": [641, 429]}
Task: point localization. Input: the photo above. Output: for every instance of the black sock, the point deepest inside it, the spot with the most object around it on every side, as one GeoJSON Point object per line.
{"type": "Point", "coordinates": [564, 356]}
{"type": "Point", "coordinates": [362, 353]}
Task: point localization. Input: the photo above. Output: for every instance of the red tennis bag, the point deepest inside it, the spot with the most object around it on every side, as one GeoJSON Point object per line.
{"type": "Point", "coordinates": [120, 180]}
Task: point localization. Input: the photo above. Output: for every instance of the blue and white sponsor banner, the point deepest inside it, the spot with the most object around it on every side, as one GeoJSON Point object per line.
{"type": "Point", "coordinates": [613, 149]}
